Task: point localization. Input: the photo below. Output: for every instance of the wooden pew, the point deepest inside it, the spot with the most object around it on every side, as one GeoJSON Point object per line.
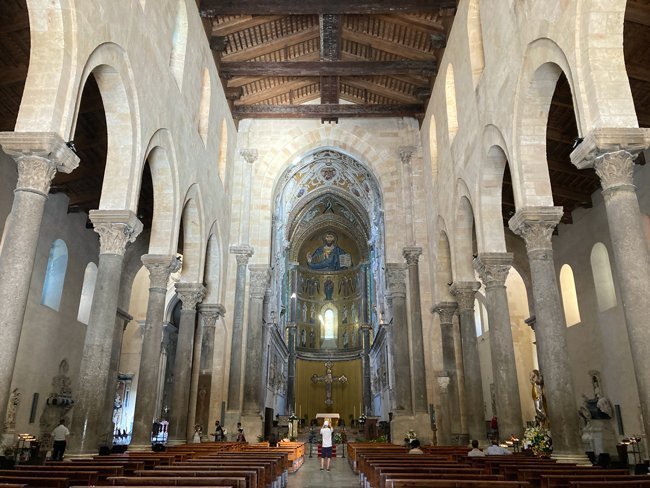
{"type": "Point", "coordinates": [406, 483]}
{"type": "Point", "coordinates": [233, 481]}
{"type": "Point", "coordinates": [640, 483]}
{"type": "Point", "coordinates": [533, 476]}
{"type": "Point", "coordinates": [31, 481]}
{"type": "Point", "coordinates": [87, 478]}
{"type": "Point", "coordinates": [251, 475]}
{"type": "Point", "coordinates": [386, 477]}
{"type": "Point", "coordinates": [103, 471]}
{"type": "Point", "coordinates": [563, 481]}
{"type": "Point", "coordinates": [130, 466]}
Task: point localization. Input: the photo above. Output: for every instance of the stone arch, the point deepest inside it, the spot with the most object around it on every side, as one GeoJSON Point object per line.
{"type": "Point", "coordinates": [204, 106]}
{"type": "Point", "coordinates": [463, 237]}
{"type": "Point", "coordinates": [112, 70]}
{"type": "Point", "coordinates": [543, 63]}
{"type": "Point", "coordinates": [213, 265]}
{"type": "Point", "coordinates": [475, 40]}
{"type": "Point", "coordinates": [443, 271]}
{"type": "Point", "coordinates": [193, 246]}
{"type": "Point", "coordinates": [161, 156]}
{"type": "Point", "coordinates": [450, 103]}
{"type": "Point", "coordinates": [179, 43]}
{"type": "Point", "coordinates": [44, 105]}
{"type": "Point", "coordinates": [600, 66]}
{"type": "Point", "coordinates": [489, 227]}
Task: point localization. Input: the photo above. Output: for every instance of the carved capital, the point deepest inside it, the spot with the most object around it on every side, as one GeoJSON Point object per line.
{"type": "Point", "coordinates": [535, 225]}
{"type": "Point", "coordinates": [242, 253]}
{"type": "Point", "coordinates": [615, 170]}
{"type": "Point", "coordinates": [605, 140]}
{"type": "Point", "coordinates": [412, 255]}
{"type": "Point", "coordinates": [160, 266]}
{"type": "Point", "coordinates": [493, 267]}
{"type": "Point", "coordinates": [210, 313]}
{"type": "Point", "coordinates": [39, 155]}
{"type": "Point", "coordinates": [191, 294]}
{"type": "Point", "coordinates": [396, 279]}
{"type": "Point", "coordinates": [116, 228]}
{"type": "Point", "coordinates": [465, 293]}
{"type": "Point", "coordinates": [260, 276]}
{"type": "Point", "coordinates": [443, 382]}
{"type": "Point", "coordinates": [446, 311]}
{"type": "Point", "coordinates": [250, 155]}
{"type": "Point", "coordinates": [406, 154]}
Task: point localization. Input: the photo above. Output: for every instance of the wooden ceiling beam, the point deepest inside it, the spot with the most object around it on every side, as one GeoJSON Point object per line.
{"type": "Point", "coordinates": [556, 135]}
{"type": "Point", "coordinates": [416, 21]}
{"type": "Point", "coordinates": [211, 8]}
{"type": "Point", "coordinates": [326, 110]}
{"type": "Point", "coordinates": [9, 76]}
{"type": "Point", "coordinates": [381, 90]}
{"type": "Point", "coordinates": [274, 91]}
{"type": "Point", "coordinates": [241, 23]}
{"type": "Point", "coordinates": [328, 68]}
{"type": "Point", "coordinates": [411, 23]}
{"type": "Point", "coordinates": [273, 45]}
{"type": "Point", "coordinates": [386, 45]}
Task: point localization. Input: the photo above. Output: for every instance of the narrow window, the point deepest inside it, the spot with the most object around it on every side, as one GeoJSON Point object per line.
{"type": "Point", "coordinates": [57, 264]}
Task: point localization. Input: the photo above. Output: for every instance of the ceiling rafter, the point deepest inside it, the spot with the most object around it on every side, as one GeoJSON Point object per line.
{"type": "Point", "coordinates": [325, 110]}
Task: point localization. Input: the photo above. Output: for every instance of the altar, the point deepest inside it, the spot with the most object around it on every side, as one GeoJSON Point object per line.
{"type": "Point", "coordinates": [329, 417]}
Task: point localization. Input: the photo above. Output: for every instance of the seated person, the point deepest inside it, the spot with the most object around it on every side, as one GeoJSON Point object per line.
{"type": "Point", "coordinates": [415, 447]}
{"type": "Point", "coordinates": [496, 450]}
{"type": "Point", "coordinates": [475, 452]}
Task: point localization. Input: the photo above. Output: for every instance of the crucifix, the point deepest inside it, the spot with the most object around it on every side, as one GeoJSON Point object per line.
{"type": "Point", "coordinates": [328, 379]}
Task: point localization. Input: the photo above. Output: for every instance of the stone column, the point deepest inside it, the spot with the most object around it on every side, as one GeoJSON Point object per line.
{"type": "Point", "coordinates": [253, 387]}
{"type": "Point", "coordinates": [190, 295]}
{"type": "Point", "coordinates": [405, 156]}
{"type": "Point", "coordinates": [116, 228]}
{"type": "Point", "coordinates": [535, 225]}
{"type": "Point", "coordinates": [412, 254]}
{"type": "Point", "coordinates": [611, 152]}
{"type": "Point", "coordinates": [209, 313]}
{"type": "Point", "coordinates": [250, 156]}
{"type": "Point", "coordinates": [443, 418]}
{"type": "Point", "coordinates": [451, 407]}
{"type": "Point", "coordinates": [465, 293]}
{"type": "Point", "coordinates": [365, 358]}
{"type": "Point", "coordinates": [160, 267]}
{"type": "Point", "coordinates": [493, 269]}
{"type": "Point", "coordinates": [395, 277]}
{"type": "Point", "coordinates": [38, 157]}
{"type": "Point", "coordinates": [243, 254]}
{"type": "Point", "coordinates": [291, 367]}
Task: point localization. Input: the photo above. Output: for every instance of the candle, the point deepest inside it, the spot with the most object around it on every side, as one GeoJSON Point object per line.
{"type": "Point", "coordinates": [355, 411]}
{"type": "Point", "coordinates": [300, 414]}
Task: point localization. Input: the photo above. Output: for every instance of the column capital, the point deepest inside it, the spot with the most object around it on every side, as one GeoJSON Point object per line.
{"type": "Point", "coordinates": [535, 225]}
{"type": "Point", "coordinates": [260, 275]}
{"type": "Point", "coordinates": [396, 279]}
{"type": "Point", "coordinates": [446, 311]}
{"type": "Point", "coordinates": [616, 171]}
{"type": "Point", "coordinates": [406, 154]}
{"type": "Point", "coordinates": [365, 327]}
{"type": "Point", "coordinates": [250, 155]}
{"type": "Point", "coordinates": [443, 381]}
{"type": "Point", "coordinates": [116, 228]}
{"type": "Point", "coordinates": [493, 267]}
{"type": "Point", "coordinates": [465, 293]}
{"type": "Point", "coordinates": [412, 255]}
{"type": "Point", "coordinates": [160, 266]}
{"type": "Point", "coordinates": [210, 313]}
{"type": "Point", "coordinates": [38, 156]}
{"type": "Point", "coordinates": [242, 253]}
{"type": "Point", "coordinates": [191, 294]}
{"type": "Point", "coordinates": [605, 140]}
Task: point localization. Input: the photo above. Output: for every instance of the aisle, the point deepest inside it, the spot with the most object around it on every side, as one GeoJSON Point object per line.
{"type": "Point", "coordinates": [310, 475]}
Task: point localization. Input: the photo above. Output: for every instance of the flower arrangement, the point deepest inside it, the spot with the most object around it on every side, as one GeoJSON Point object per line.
{"type": "Point", "coordinates": [538, 440]}
{"type": "Point", "coordinates": [410, 435]}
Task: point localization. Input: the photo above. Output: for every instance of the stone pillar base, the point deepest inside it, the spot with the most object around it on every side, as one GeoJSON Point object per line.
{"type": "Point", "coordinates": [420, 423]}
{"type": "Point", "coordinates": [580, 459]}
{"type": "Point", "coordinates": [253, 425]}
{"type": "Point", "coordinates": [599, 436]}
{"type": "Point", "coordinates": [8, 439]}
{"type": "Point", "coordinates": [230, 420]}
{"type": "Point", "coordinates": [139, 447]}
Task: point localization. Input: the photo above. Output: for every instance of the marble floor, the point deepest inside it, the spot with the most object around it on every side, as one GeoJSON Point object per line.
{"type": "Point", "coordinates": [310, 476]}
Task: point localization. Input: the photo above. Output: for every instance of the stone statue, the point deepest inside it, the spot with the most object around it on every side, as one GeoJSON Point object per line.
{"type": "Point", "coordinates": [537, 383]}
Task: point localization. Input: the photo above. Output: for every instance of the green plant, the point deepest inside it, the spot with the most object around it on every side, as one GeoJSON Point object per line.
{"type": "Point", "coordinates": [538, 440]}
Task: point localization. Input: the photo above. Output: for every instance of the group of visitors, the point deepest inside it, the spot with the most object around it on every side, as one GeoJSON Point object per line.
{"type": "Point", "coordinates": [220, 433]}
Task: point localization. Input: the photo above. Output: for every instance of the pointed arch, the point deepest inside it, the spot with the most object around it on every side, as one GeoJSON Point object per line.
{"type": "Point", "coordinates": [193, 246]}
{"type": "Point", "coordinates": [443, 271]}
{"type": "Point", "coordinates": [464, 237]}
{"type": "Point", "coordinates": [475, 40]}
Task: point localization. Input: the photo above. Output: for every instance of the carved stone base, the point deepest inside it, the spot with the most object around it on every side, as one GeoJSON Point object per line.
{"type": "Point", "coordinates": [578, 458]}
{"type": "Point", "coordinates": [420, 423]}
{"type": "Point", "coordinates": [253, 426]}
{"type": "Point", "coordinates": [599, 436]}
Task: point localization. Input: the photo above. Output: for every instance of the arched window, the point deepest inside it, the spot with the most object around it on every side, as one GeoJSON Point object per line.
{"type": "Point", "coordinates": [57, 264]}
{"type": "Point", "coordinates": [603, 280]}
{"type": "Point", "coordinates": [329, 322]}
{"type": "Point", "coordinates": [569, 296]}
{"type": "Point", "coordinates": [87, 292]}
{"type": "Point", "coordinates": [478, 320]}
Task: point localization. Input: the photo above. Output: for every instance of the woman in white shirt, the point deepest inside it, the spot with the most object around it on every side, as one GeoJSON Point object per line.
{"type": "Point", "coordinates": [326, 451]}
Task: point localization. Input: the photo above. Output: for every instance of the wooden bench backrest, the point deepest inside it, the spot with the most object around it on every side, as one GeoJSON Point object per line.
{"type": "Point", "coordinates": [234, 481]}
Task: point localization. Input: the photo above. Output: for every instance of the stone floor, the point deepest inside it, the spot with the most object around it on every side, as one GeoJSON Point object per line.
{"type": "Point", "coordinates": [310, 475]}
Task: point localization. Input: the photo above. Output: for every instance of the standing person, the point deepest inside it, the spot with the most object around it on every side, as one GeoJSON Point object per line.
{"type": "Point", "coordinates": [326, 451]}
{"type": "Point", "coordinates": [60, 435]}
{"type": "Point", "coordinates": [218, 431]}
{"type": "Point", "coordinates": [240, 433]}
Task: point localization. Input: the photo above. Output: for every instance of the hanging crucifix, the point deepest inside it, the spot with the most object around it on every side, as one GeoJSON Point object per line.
{"type": "Point", "coordinates": [328, 379]}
